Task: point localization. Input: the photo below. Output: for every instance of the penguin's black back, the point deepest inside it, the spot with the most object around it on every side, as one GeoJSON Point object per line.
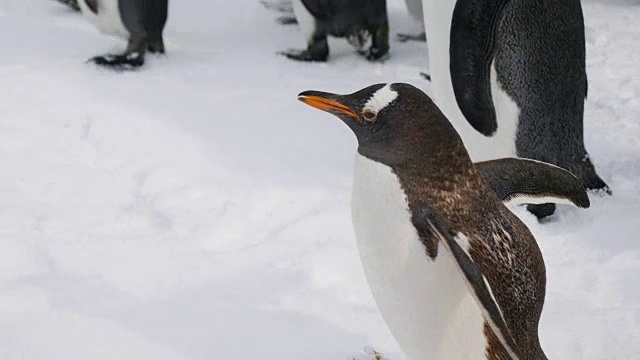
{"type": "Point", "coordinates": [540, 62]}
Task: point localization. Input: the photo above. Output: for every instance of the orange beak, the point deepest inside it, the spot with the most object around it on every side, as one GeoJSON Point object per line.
{"type": "Point", "coordinates": [323, 102]}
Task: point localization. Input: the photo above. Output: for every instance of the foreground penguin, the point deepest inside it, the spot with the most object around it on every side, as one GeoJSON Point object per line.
{"type": "Point", "coordinates": [516, 71]}
{"type": "Point", "coordinates": [454, 273]}
{"type": "Point", "coordinates": [363, 22]}
{"type": "Point", "coordinates": [140, 22]}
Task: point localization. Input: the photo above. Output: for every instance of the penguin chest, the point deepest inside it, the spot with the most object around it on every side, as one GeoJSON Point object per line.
{"type": "Point", "coordinates": [107, 19]}
{"type": "Point", "coordinates": [424, 301]}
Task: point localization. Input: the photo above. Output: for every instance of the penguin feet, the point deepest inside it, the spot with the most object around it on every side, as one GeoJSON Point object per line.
{"type": "Point", "coordinates": [305, 55]}
{"type": "Point", "coordinates": [131, 60]}
{"type": "Point", "coordinates": [375, 54]}
{"type": "Point", "coordinates": [422, 37]}
{"type": "Point", "coordinates": [287, 20]}
{"type": "Point", "coordinates": [155, 47]}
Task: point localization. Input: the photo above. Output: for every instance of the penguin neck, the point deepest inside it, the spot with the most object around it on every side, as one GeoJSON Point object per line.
{"type": "Point", "coordinates": [443, 168]}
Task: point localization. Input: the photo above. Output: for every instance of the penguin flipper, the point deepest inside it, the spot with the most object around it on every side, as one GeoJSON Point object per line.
{"type": "Point", "coordinates": [473, 29]}
{"type": "Point", "coordinates": [524, 181]}
{"type": "Point", "coordinates": [477, 283]}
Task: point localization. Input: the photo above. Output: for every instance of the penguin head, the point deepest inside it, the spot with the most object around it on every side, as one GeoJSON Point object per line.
{"type": "Point", "coordinates": [392, 122]}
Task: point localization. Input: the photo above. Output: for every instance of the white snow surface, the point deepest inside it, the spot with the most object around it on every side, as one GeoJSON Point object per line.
{"type": "Point", "coordinates": [195, 210]}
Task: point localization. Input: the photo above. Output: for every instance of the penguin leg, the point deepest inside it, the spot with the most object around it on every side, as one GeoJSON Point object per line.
{"type": "Point", "coordinates": [155, 18]}
{"type": "Point", "coordinates": [317, 49]}
{"type": "Point", "coordinates": [379, 49]}
{"type": "Point", "coordinates": [422, 37]}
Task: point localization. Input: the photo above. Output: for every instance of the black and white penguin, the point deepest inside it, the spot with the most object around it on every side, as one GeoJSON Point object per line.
{"type": "Point", "coordinates": [140, 22]}
{"type": "Point", "coordinates": [511, 77]}
{"type": "Point", "coordinates": [454, 273]}
{"type": "Point", "coordinates": [363, 22]}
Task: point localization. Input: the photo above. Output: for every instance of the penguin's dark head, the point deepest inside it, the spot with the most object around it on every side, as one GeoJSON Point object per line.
{"type": "Point", "coordinates": [392, 122]}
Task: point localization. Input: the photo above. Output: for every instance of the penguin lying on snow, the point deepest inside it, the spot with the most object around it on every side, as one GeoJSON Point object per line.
{"type": "Point", "coordinates": [363, 22]}
{"type": "Point", "coordinates": [140, 22]}
{"type": "Point", "coordinates": [454, 273]}
{"type": "Point", "coordinates": [516, 71]}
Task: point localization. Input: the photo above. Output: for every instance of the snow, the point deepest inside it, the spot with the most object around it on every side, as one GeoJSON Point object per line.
{"type": "Point", "coordinates": [194, 209]}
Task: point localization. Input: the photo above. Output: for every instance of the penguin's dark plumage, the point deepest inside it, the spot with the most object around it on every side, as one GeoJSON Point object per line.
{"type": "Point", "coordinates": [454, 273]}
{"type": "Point", "coordinates": [140, 22]}
{"type": "Point", "coordinates": [363, 22]}
{"type": "Point", "coordinates": [538, 51]}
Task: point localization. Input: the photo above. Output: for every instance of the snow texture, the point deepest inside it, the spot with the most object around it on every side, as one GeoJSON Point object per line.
{"type": "Point", "coordinates": [195, 210]}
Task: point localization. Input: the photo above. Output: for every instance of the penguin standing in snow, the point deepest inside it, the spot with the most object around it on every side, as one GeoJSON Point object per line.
{"type": "Point", "coordinates": [454, 273]}
{"type": "Point", "coordinates": [514, 71]}
{"type": "Point", "coordinates": [140, 22]}
{"type": "Point", "coordinates": [363, 22]}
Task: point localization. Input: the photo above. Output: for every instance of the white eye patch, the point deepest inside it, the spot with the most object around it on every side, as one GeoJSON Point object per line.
{"type": "Point", "coordinates": [380, 99]}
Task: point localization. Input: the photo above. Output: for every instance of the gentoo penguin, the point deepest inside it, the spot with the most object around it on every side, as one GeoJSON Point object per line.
{"type": "Point", "coordinates": [140, 22]}
{"type": "Point", "coordinates": [511, 77]}
{"type": "Point", "coordinates": [363, 22]}
{"type": "Point", "coordinates": [414, 7]}
{"type": "Point", "coordinates": [454, 273]}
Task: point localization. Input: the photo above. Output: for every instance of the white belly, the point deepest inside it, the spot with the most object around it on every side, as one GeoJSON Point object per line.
{"type": "Point", "coordinates": [437, 22]}
{"type": "Point", "coordinates": [425, 303]}
{"type": "Point", "coordinates": [107, 20]}
{"type": "Point", "coordinates": [305, 19]}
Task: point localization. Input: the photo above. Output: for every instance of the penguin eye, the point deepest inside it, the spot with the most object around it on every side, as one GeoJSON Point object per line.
{"type": "Point", "coordinates": [369, 115]}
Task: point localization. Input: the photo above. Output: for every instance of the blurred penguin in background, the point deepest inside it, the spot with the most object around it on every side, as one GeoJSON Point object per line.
{"type": "Point", "coordinates": [363, 23]}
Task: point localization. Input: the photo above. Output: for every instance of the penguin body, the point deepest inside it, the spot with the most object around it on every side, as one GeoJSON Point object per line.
{"type": "Point", "coordinates": [404, 284]}
{"type": "Point", "coordinates": [363, 23]}
{"type": "Point", "coordinates": [516, 70]}
{"type": "Point", "coordinates": [140, 22]}
{"type": "Point", "coordinates": [454, 273]}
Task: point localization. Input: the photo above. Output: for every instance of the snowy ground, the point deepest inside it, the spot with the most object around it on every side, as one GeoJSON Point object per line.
{"type": "Point", "coordinates": [195, 210]}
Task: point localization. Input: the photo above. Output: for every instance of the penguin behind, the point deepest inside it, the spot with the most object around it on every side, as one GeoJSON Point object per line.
{"type": "Point", "coordinates": [140, 22]}
{"type": "Point", "coordinates": [515, 71]}
{"type": "Point", "coordinates": [453, 272]}
{"type": "Point", "coordinates": [363, 22]}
